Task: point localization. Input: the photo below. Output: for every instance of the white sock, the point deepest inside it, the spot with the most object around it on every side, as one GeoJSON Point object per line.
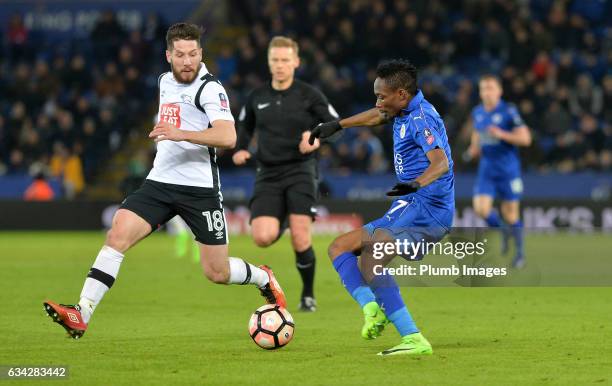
{"type": "Point", "coordinates": [242, 272]}
{"type": "Point", "coordinates": [99, 280]}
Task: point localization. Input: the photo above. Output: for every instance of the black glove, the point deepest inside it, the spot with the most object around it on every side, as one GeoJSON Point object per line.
{"type": "Point", "coordinates": [324, 130]}
{"type": "Point", "coordinates": [404, 188]}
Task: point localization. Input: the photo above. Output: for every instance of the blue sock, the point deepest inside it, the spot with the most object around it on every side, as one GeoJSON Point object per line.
{"type": "Point", "coordinates": [493, 220]}
{"type": "Point", "coordinates": [387, 293]}
{"type": "Point", "coordinates": [388, 296]}
{"type": "Point", "coordinates": [402, 320]}
{"type": "Point", "coordinates": [517, 233]}
{"type": "Point", "coordinates": [346, 266]}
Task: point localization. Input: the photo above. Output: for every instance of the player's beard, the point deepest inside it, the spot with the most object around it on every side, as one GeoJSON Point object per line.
{"type": "Point", "coordinates": [180, 76]}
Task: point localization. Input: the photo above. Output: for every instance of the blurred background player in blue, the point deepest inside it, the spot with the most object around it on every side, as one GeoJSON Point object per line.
{"type": "Point", "coordinates": [498, 131]}
{"type": "Point", "coordinates": [423, 209]}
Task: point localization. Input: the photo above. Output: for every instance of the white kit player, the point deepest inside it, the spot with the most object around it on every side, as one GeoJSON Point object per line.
{"type": "Point", "coordinates": [194, 119]}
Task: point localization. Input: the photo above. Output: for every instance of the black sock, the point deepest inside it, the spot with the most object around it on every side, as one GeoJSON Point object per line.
{"type": "Point", "coordinates": [305, 263]}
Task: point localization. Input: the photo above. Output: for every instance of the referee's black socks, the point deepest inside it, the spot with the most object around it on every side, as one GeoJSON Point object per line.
{"type": "Point", "coordinates": [305, 263]}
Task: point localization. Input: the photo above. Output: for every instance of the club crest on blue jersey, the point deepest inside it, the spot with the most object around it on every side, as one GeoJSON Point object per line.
{"type": "Point", "coordinates": [403, 131]}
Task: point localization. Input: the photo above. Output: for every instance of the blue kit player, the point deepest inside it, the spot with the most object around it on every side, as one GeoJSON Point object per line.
{"type": "Point", "coordinates": [423, 208]}
{"type": "Point", "coordinates": [498, 132]}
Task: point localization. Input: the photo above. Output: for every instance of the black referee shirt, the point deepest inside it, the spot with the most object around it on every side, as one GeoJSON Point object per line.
{"type": "Point", "coordinates": [280, 117]}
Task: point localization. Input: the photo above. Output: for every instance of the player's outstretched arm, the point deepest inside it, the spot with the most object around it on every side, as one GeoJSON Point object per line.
{"type": "Point", "coordinates": [519, 136]}
{"type": "Point", "coordinates": [370, 117]}
{"type": "Point", "coordinates": [474, 150]}
{"type": "Point", "coordinates": [222, 134]}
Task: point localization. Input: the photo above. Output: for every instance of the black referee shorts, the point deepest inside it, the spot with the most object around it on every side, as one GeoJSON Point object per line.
{"type": "Point", "coordinates": [201, 208]}
{"type": "Point", "coordinates": [285, 189]}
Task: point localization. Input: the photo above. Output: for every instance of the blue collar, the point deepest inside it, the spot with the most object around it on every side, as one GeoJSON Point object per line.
{"type": "Point", "coordinates": [414, 102]}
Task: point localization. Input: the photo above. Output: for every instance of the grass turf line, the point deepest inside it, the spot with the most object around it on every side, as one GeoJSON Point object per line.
{"type": "Point", "coordinates": [163, 323]}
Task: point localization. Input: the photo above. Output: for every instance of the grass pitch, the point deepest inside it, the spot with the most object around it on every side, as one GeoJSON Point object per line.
{"type": "Point", "coordinates": [163, 323]}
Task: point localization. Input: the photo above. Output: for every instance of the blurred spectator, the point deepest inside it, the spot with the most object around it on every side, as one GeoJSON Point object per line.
{"type": "Point", "coordinates": [68, 167]}
{"type": "Point", "coordinates": [17, 38]}
{"type": "Point", "coordinates": [521, 48]}
{"type": "Point", "coordinates": [495, 40]}
{"type": "Point", "coordinates": [226, 64]}
{"type": "Point", "coordinates": [137, 172]}
{"type": "Point", "coordinates": [77, 78]}
{"type": "Point", "coordinates": [369, 154]}
{"type": "Point", "coordinates": [108, 35]}
{"type": "Point", "coordinates": [39, 189]}
{"type": "Point", "coordinates": [556, 120]}
{"type": "Point", "coordinates": [566, 73]}
{"type": "Point", "coordinates": [541, 66]}
{"type": "Point", "coordinates": [16, 163]}
{"type": "Point", "coordinates": [459, 112]}
{"type": "Point", "coordinates": [607, 98]}
{"type": "Point", "coordinates": [586, 98]}
{"type": "Point", "coordinates": [593, 142]}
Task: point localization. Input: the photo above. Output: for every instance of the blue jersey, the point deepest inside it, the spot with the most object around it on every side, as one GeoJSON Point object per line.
{"type": "Point", "coordinates": [498, 158]}
{"type": "Point", "coordinates": [416, 131]}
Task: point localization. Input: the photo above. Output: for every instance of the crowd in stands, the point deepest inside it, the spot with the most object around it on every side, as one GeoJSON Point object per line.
{"type": "Point", "coordinates": [65, 108]}
{"type": "Point", "coordinates": [554, 57]}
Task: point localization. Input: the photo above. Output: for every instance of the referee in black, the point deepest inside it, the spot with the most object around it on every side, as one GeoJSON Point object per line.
{"type": "Point", "coordinates": [286, 184]}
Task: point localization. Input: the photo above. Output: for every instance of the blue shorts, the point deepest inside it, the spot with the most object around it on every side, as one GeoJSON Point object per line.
{"type": "Point", "coordinates": [412, 218]}
{"type": "Point", "coordinates": [506, 188]}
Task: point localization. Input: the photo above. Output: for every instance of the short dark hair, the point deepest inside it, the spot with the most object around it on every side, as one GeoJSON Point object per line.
{"type": "Point", "coordinates": [398, 73]}
{"type": "Point", "coordinates": [182, 31]}
{"type": "Point", "coordinates": [489, 76]}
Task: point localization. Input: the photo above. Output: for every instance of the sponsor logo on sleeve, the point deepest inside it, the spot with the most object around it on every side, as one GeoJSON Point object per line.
{"type": "Point", "coordinates": [223, 100]}
{"type": "Point", "coordinates": [429, 138]}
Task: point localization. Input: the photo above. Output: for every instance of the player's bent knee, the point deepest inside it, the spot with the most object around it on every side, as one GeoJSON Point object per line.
{"type": "Point", "coordinates": [264, 236]}
{"type": "Point", "coordinates": [510, 218]}
{"type": "Point", "coordinates": [301, 246]}
{"type": "Point", "coordinates": [263, 239]}
{"type": "Point", "coordinates": [117, 240]}
{"type": "Point", "coordinates": [301, 241]}
{"type": "Point", "coordinates": [482, 210]}
{"type": "Point", "coordinates": [482, 206]}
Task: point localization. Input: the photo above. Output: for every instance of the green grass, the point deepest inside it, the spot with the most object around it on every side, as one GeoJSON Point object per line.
{"type": "Point", "coordinates": [163, 323]}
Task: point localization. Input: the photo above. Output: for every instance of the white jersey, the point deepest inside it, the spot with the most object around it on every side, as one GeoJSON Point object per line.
{"type": "Point", "coordinates": [189, 107]}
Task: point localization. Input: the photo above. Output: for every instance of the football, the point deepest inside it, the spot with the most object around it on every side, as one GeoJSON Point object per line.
{"type": "Point", "coordinates": [271, 326]}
